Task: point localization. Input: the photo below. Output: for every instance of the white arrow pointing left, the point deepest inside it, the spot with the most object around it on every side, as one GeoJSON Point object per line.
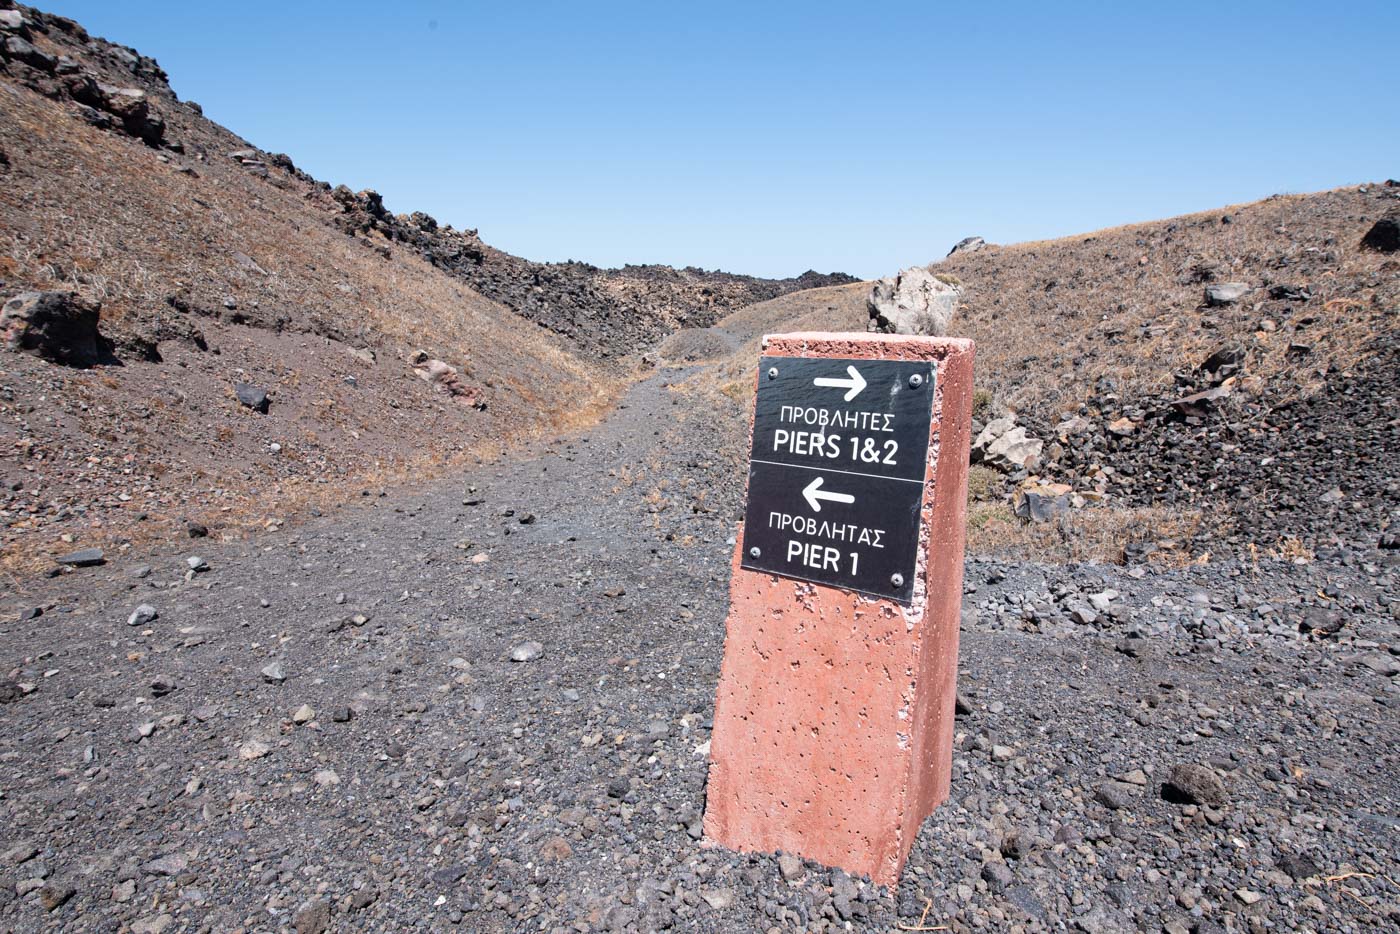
{"type": "Point", "coordinates": [815, 494]}
{"type": "Point", "coordinates": [853, 385]}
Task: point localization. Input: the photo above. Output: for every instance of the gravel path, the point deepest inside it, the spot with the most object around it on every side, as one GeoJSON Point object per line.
{"type": "Point", "coordinates": [326, 729]}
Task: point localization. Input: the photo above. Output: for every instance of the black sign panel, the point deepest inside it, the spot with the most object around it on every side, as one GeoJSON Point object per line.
{"type": "Point", "coordinates": [836, 473]}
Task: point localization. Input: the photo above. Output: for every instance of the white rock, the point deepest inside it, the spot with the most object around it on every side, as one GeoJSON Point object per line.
{"type": "Point", "coordinates": [1226, 293]}
{"type": "Point", "coordinates": [253, 749]}
{"type": "Point", "coordinates": [913, 302]}
{"type": "Point", "coordinates": [1100, 601]}
{"type": "Point", "coordinates": [1004, 446]}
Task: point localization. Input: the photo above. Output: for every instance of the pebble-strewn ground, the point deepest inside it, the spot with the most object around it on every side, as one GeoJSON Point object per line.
{"type": "Point", "coordinates": [325, 730]}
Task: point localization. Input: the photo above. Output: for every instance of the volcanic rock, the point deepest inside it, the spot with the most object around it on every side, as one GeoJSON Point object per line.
{"type": "Point", "coordinates": [1041, 504]}
{"type": "Point", "coordinates": [58, 326]}
{"type": "Point", "coordinates": [85, 557]}
{"type": "Point", "coordinates": [313, 917]}
{"type": "Point", "coordinates": [54, 895]}
{"type": "Point", "coordinates": [1225, 361]}
{"type": "Point", "coordinates": [1114, 795]}
{"type": "Point", "coordinates": [1297, 866]}
{"type": "Point", "coordinates": [130, 106]}
{"type": "Point", "coordinates": [1289, 293]}
{"type": "Point", "coordinates": [1005, 446]}
{"type": "Point", "coordinates": [1226, 293]}
{"type": "Point", "coordinates": [1384, 235]}
{"type": "Point", "coordinates": [20, 49]}
{"type": "Point", "coordinates": [1191, 783]}
{"type": "Point", "coordinates": [790, 867]}
{"type": "Point", "coordinates": [251, 396]}
{"type": "Point", "coordinates": [1201, 403]}
{"type": "Point", "coordinates": [967, 245]}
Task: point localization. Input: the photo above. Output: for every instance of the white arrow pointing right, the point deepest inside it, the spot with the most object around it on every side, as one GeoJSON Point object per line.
{"type": "Point", "coordinates": [854, 385]}
{"type": "Point", "coordinates": [815, 494]}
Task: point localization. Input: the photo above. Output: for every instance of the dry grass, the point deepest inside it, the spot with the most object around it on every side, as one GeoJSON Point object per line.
{"type": "Point", "coordinates": [836, 308]}
{"type": "Point", "coordinates": [1053, 318]}
{"type": "Point", "coordinates": [1097, 534]}
{"type": "Point", "coordinates": [103, 216]}
{"type": "Point", "coordinates": [241, 512]}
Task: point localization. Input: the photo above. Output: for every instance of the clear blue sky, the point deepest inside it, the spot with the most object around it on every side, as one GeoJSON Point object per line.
{"type": "Point", "coordinates": [769, 138]}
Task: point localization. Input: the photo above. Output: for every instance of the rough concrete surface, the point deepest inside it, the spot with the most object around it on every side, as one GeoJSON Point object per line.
{"type": "Point", "coordinates": [835, 709]}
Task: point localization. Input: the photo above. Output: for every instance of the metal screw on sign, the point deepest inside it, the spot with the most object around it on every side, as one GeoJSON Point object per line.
{"type": "Point", "coordinates": [754, 552]}
{"type": "Point", "coordinates": [897, 580]}
{"type": "Point", "coordinates": [916, 381]}
{"type": "Point", "coordinates": [772, 372]}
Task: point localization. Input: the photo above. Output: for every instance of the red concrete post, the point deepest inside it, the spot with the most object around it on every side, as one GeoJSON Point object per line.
{"type": "Point", "coordinates": [833, 720]}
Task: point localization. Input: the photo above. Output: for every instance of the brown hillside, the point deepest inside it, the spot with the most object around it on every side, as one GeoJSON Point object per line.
{"type": "Point", "coordinates": [165, 252]}
{"type": "Point", "coordinates": [1052, 318]}
{"type": "Point", "coordinates": [216, 264]}
{"type": "Point", "coordinates": [1113, 326]}
{"type": "Point", "coordinates": [209, 274]}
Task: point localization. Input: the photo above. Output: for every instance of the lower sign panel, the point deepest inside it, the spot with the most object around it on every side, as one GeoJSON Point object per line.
{"type": "Point", "coordinates": [839, 529]}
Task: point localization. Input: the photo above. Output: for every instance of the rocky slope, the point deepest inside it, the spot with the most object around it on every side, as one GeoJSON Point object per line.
{"type": "Point", "coordinates": [603, 312]}
{"type": "Point", "coordinates": [1237, 363]}
{"type": "Point", "coordinates": [214, 264]}
{"type": "Point", "coordinates": [1216, 383]}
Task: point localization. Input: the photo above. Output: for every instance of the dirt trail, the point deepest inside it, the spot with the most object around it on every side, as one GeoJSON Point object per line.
{"type": "Point", "coordinates": [159, 770]}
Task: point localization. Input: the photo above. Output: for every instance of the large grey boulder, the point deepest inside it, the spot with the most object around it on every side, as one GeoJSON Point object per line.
{"type": "Point", "coordinates": [20, 49]}
{"type": "Point", "coordinates": [913, 302]}
{"type": "Point", "coordinates": [967, 245]}
{"type": "Point", "coordinates": [1005, 446]}
{"type": "Point", "coordinates": [57, 326]}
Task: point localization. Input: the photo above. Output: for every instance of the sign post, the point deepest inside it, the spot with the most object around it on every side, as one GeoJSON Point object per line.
{"type": "Point", "coordinates": [834, 717]}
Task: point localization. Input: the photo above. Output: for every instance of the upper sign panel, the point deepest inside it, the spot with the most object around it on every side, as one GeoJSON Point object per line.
{"type": "Point", "coordinates": [861, 416]}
